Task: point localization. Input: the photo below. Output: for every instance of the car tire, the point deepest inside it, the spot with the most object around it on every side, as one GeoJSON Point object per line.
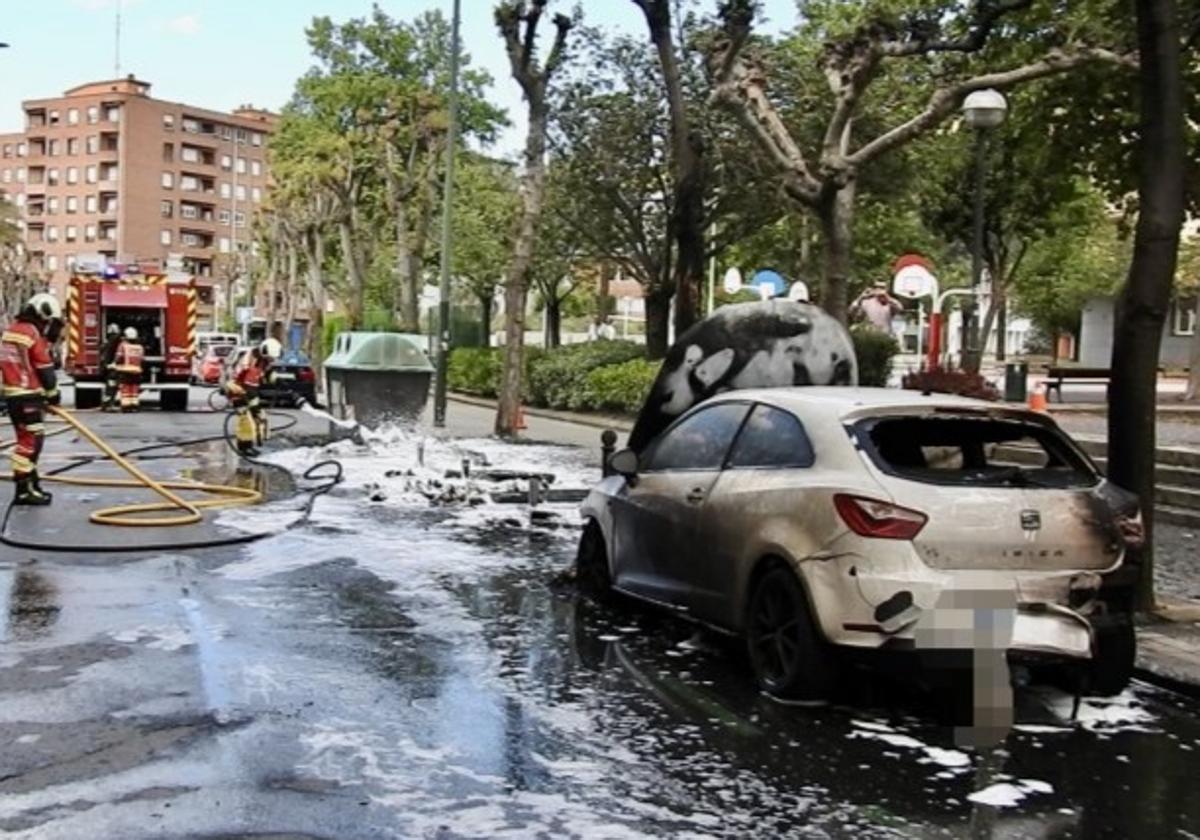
{"type": "Point", "coordinates": [1116, 650]}
{"type": "Point", "coordinates": [591, 563]}
{"type": "Point", "coordinates": [789, 658]}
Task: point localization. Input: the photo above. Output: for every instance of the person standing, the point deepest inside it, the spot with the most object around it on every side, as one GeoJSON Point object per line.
{"type": "Point", "coordinates": [877, 308]}
{"type": "Point", "coordinates": [108, 356]}
{"type": "Point", "coordinates": [30, 385]}
{"type": "Point", "coordinates": [128, 366]}
{"type": "Point", "coordinates": [244, 392]}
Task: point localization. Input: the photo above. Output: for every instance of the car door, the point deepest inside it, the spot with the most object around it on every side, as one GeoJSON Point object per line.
{"type": "Point", "coordinates": [765, 481]}
{"type": "Point", "coordinates": [657, 514]}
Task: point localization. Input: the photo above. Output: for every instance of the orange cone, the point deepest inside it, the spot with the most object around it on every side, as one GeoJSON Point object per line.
{"type": "Point", "coordinates": [1037, 398]}
{"type": "Point", "coordinates": [520, 424]}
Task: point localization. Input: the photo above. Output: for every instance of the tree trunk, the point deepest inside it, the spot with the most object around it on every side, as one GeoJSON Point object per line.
{"type": "Point", "coordinates": [1143, 302]}
{"type": "Point", "coordinates": [1193, 386]}
{"type": "Point", "coordinates": [658, 313]}
{"type": "Point", "coordinates": [837, 225]}
{"type": "Point", "coordinates": [314, 246]}
{"type": "Point", "coordinates": [485, 319]}
{"type": "Point", "coordinates": [553, 322]}
{"type": "Point", "coordinates": [353, 273]}
{"type": "Point", "coordinates": [533, 182]}
{"type": "Point", "coordinates": [687, 148]}
{"type": "Point", "coordinates": [272, 293]}
{"type": "Point", "coordinates": [405, 303]}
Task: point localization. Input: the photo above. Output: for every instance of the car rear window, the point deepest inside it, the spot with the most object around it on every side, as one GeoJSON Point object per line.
{"type": "Point", "coordinates": [975, 451]}
{"type": "Point", "coordinates": [221, 350]}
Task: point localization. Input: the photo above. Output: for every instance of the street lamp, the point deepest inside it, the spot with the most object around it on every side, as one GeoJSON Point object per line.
{"type": "Point", "coordinates": [443, 348]}
{"type": "Point", "coordinates": [983, 110]}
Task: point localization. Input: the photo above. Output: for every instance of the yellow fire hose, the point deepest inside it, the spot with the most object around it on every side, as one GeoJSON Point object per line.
{"type": "Point", "coordinates": [133, 515]}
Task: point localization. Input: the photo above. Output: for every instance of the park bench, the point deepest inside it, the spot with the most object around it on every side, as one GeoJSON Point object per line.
{"type": "Point", "coordinates": [1056, 376]}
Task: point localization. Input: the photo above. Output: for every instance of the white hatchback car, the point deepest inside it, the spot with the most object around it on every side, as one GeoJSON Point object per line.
{"type": "Point", "coordinates": [809, 520]}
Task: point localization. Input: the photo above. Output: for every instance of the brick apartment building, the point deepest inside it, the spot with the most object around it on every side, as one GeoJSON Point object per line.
{"type": "Point", "coordinates": [107, 170]}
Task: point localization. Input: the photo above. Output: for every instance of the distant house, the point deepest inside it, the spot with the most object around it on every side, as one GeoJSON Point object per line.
{"type": "Point", "coordinates": [1096, 332]}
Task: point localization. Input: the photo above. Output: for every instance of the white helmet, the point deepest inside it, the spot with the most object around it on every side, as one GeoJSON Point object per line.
{"type": "Point", "coordinates": [131, 333]}
{"type": "Point", "coordinates": [44, 306]}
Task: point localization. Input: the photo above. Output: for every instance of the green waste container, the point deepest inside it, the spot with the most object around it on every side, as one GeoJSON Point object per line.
{"type": "Point", "coordinates": [376, 378]}
{"type": "Point", "coordinates": [1016, 382]}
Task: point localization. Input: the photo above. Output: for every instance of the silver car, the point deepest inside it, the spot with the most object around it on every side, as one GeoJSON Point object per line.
{"type": "Point", "coordinates": [813, 520]}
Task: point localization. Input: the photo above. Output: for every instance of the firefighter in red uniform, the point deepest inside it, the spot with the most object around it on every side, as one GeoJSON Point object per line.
{"type": "Point", "coordinates": [244, 393]}
{"type": "Point", "coordinates": [30, 384]}
{"type": "Point", "coordinates": [128, 365]}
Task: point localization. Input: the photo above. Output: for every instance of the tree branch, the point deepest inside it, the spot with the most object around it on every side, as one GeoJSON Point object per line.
{"type": "Point", "coordinates": [987, 14]}
{"type": "Point", "coordinates": [563, 25]}
{"type": "Point", "coordinates": [945, 100]}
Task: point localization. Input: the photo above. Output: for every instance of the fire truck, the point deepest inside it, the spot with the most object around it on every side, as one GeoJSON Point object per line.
{"type": "Point", "coordinates": [160, 306]}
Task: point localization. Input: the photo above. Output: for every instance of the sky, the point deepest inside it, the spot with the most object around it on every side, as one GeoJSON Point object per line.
{"type": "Point", "coordinates": [223, 53]}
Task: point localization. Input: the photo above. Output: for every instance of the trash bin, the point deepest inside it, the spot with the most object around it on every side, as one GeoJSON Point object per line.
{"type": "Point", "coordinates": [377, 377]}
{"type": "Point", "coordinates": [1016, 382]}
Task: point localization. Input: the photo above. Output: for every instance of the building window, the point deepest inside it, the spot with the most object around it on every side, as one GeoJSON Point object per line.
{"type": "Point", "coordinates": [72, 146]}
{"type": "Point", "coordinates": [225, 189]}
{"type": "Point", "coordinates": [93, 144]}
{"type": "Point", "coordinates": [93, 115]}
{"type": "Point", "coordinates": [165, 237]}
{"type": "Point", "coordinates": [223, 217]}
{"type": "Point", "coordinates": [72, 204]}
{"type": "Point", "coordinates": [70, 262]}
{"type": "Point", "coordinates": [168, 152]}
{"type": "Point", "coordinates": [72, 233]}
{"type": "Point", "coordinates": [255, 138]}
{"type": "Point", "coordinates": [189, 211]}
{"type": "Point", "coordinates": [8, 150]}
{"type": "Point", "coordinates": [20, 174]}
{"type": "Point", "coordinates": [223, 246]}
{"type": "Point", "coordinates": [189, 154]}
{"type": "Point", "coordinates": [241, 166]}
{"type": "Point", "coordinates": [1185, 317]}
{"type": "Point", "coordinates": [89, 204]}
{"type": "Point", "coordinates": [166, 209]}
{"type": "Point", "coordinates": [52, 206]}
{"type": "Point", "coordinates": [189, 182]}
{"type": "Point", "coordinates": [72, 116]}
{"type": "Point", "coordinates": [8, 176]}
{"type": "Point", "coordinates": [52, 233]}
{"type": "Point", "coordinates": [168, 122]}
{"type": "Point", "coordinates": [72, 174]}
{"type": "Point", "coordinates": [191, 126]}
{"type": "Point", "coordinates": [108, 172]}
{"type": "Point", "coordinates": [255, 194]}
{"type": "Point", "coordinates": [226, 162]}
{"type": "Point", "coordinates": [239, 219]}
{"type": "Point", "coordinates": [112, 113]}
{"type": "Point", "coordinates": [192, 240]}
{"type": "Point", "coordinates": [53, 148]}
{"type": "Point", "coordinates": [226, 132]}
{"type": "Point", "coordinates": [89, 174]}
{"type": "Point", "coordinates": [89, 233]}
{"type": "Point", "coordinates": [53, 120]}
{"type": "Point", "coordinates": [52, 176]}
{"type": "Point", "coordinates": [52, 262]}
{"type": "Point", "coordinates": [22, 149]}
{"type": "Point", "coordinates": [168, 181]}
{"type": "Point", "coordinates": [256, 168]}
{"type": "Point", "coordinates": [240, 192]}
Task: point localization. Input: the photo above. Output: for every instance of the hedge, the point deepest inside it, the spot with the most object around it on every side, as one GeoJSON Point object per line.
{"type": "Point", "coordinates": [622, 387]}
{"type": "Point", "coordinates": [559, 378]}
{"type": "Point", "coordinates": [875, 351]}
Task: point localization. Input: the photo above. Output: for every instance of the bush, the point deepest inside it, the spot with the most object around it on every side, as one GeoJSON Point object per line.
{"type": "Point", "coordinates": [475, 370]}
{"type": "Point", "coordinates": [950, 381]}
{"type": "Point", "coordinates": [558, 378]}
{"type": "Point", "coordinates": [875, 351]}
{"type": "Point", "coordinates": [622, 387]}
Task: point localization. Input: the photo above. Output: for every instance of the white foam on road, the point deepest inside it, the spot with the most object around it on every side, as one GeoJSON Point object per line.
{"type": "Point", "coordinates": [1010, 794]}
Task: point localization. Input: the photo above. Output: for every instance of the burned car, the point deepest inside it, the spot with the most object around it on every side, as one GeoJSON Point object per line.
{"type": "Point", "coordinates": [812, 521]}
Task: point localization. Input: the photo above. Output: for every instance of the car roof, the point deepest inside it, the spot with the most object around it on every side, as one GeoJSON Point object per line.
{"type": "Point", "coordinates": [847, 401]}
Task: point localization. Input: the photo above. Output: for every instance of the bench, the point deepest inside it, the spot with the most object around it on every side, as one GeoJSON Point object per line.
{"type": "Point", "coordinates": [1056, 376]}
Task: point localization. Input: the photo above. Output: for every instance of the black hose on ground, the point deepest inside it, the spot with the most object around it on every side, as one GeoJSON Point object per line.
{"type": "Point", "coordinates": [314, 473]}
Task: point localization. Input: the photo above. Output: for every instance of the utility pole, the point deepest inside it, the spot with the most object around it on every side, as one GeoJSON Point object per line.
{"type": "Point", "coordinates": [117, 42]}
{"type": "Point", "coordinates": [443, 360]}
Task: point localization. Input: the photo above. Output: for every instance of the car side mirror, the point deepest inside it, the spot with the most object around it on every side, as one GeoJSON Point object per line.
{"type": "Point", "coordinates": [624, 463]}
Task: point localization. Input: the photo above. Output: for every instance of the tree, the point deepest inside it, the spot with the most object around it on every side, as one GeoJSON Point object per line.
{"type": "Point", "coordinates": [1189, 263]}
{"type": "Point", "coordinates": [17, 282]}
{"type": "Point", "coordinates": [687, 170]}
{"type": "Point", "coordinates": [1143, 302]}
{"type": "Point", "coordinates": [950, 52]}
{"type": "Point", "coordinates": [518, 21]}
{"type": "Point", "coordinates": [486, 203]}
{"type": "Point", "coordinates": [557, 259]}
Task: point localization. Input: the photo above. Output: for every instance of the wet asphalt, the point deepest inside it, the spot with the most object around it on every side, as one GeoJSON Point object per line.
{"type": "Point", "coordinates": [409, 661]}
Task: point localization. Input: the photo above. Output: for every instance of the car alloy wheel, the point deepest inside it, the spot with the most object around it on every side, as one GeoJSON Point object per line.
{"type": "Point", "coordinates": [789, 658]}
{"type": "Point", "coordinates": [591, 562]}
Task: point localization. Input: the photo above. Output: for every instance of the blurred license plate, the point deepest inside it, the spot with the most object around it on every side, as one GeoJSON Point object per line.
{"type": "Point", "coordinates": [285, 376]}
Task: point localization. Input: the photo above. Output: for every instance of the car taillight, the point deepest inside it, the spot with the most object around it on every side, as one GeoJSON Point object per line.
{"type": "Point", "coordinates": [306, 375]}
{"type": "Point", "coordinates": [881, 520]}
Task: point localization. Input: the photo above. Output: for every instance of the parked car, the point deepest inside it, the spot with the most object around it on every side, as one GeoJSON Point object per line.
{"type": "Point", "coordinates": [812, 521]}
{"type": "Point", "coordinates": [210, 369]}
{"type": "Point", "coordinates": [292, 377]}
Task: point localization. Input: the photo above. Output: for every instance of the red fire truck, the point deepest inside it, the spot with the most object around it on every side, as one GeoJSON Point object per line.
{"type": "Point", "coordinates": [161, 307]}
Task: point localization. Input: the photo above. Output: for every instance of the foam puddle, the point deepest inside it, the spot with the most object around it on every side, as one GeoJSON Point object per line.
{"type": "Point", "coordinates": [952, 762]}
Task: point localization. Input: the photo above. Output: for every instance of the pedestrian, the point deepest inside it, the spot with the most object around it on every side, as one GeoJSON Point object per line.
{"type": "Point", "coordinates": [245, 394]}
{"type": "Point", "coordinates": [128, 366]}
{"type": "Point", "coordinates": [30, 385]}
{"type": "Point", "coordinates": [876, 308]}
{"type": "Point", "coordinates": [108, 356]}
{"type": "Point", "coordinates": [606, 330]}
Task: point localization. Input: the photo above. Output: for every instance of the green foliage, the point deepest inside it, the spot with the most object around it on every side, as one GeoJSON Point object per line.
{"type": "Point", "coordinates": [622, 387]}
{"type": "Point", "coordinates": [558, 379]}
{"type": "Point", "coordinates": [475, 370]}
{"type": "Point", "coordinates": [875, 351]}
{"type": "Point", "coordinates": [950, 381]}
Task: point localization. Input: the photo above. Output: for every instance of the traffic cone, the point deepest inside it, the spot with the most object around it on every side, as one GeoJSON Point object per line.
{"type": "Point", "coordinates": [1037, 398]}
{"type": "Point", "coordinates": [519, 425]}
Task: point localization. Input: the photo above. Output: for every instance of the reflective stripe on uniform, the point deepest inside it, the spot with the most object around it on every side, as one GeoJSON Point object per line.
{"type": "Point", "coordinates": [17, 338]}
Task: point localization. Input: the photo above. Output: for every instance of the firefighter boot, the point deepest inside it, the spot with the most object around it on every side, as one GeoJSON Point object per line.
{"type": "Point", "coordinates": [28, 495]}
{"type": "Point", "coordinates": [36, 481]}
{"type": "Point", "coordinates": [245, 433]}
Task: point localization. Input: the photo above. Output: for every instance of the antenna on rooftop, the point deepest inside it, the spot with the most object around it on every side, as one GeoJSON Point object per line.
{"type": "Point", "coordinates": [117, 60]}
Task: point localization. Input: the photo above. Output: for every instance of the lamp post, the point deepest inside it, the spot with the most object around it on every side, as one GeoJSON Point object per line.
{"type": "Point", "coordinates": [443, 348]}
{"type": "Point", "coordinates": [983, 110]}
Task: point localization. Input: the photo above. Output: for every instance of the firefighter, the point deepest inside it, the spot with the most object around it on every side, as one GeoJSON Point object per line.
{"type": "Point", "coordinates": [128, 366]}
{"type": "Point", "coordinates": [244, 392]}
{"type": "Point", "coordinates": [108, 357]}
{"type": "Point", "coordinates": [30, 384]}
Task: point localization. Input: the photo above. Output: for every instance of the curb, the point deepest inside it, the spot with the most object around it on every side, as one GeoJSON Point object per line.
{"type": "Point", "coordinates": [597, 421]}
{"type": "Point", "coordinates": [1167, 682]}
